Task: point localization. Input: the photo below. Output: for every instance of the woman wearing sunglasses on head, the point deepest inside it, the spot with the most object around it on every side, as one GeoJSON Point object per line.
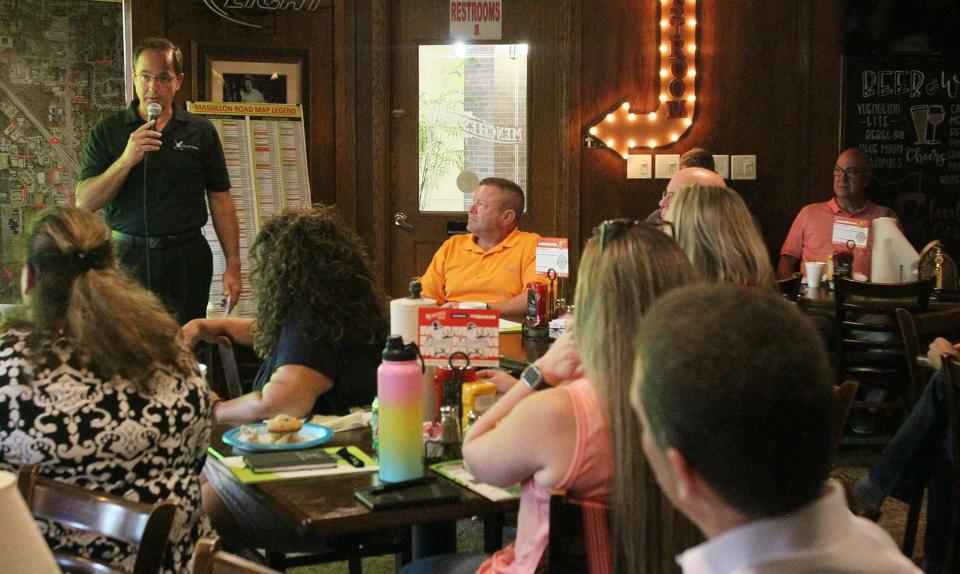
{"type": "Point", "coordinates": [551, 431]}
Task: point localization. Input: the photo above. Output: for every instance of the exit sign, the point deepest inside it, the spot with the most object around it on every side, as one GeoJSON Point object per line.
{"type": "Point", "coordinates": [476, 19]}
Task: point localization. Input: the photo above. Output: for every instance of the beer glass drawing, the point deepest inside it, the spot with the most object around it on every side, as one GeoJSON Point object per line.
{"type": "Point", "coordinates": [919, 115]}
{"type": "Point", "coordinates": [936, 118]}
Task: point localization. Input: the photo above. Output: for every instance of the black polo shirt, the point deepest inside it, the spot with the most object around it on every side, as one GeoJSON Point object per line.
{"type": "Point", "coordinates": [189, 163]}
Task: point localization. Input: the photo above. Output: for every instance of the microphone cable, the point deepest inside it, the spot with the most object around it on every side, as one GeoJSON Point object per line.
{"type": "Point", "coordinates": [146, 225]}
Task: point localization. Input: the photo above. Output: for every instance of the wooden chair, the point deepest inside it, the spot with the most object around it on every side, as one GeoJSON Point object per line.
{"type": "Point", "coordinates": [918, 330]}
{"type": "Point", "coordinates": [790, 287]}
{"type": "Point", "coordinates": [145, 525]}
{"type": "Point", "coordinates": [845, 395]}
{"type": "Point", "coordinates": [579, 537]}
{"type": "Point", "coordinates": [209, 559]}
{"type": "Point", "coordinates": [228, 362]}
{"type": "Point", "coordinates": [951, 392]}
{"type": "Point", "coordinates": [870, 350]}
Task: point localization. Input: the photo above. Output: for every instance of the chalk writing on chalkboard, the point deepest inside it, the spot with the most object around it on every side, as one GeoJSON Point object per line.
{"type": "Point", "coordinates": [904, 110]}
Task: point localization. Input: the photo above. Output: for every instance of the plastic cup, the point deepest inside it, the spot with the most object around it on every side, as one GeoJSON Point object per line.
{"type": "Point", "coordinates": [814, 273]}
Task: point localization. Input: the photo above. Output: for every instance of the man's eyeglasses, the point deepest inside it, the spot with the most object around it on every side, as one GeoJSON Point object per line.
{"type": "Point", "coordinates": [849, 172]}
{"type": "Point", "coordinates": [162, 79]}
{"type": "Point", "coordinates": [613, 228]}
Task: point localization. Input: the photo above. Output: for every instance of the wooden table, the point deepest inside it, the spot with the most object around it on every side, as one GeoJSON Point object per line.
{"type": "Point", "coordinates": [516, 353]}
{"type": "Point", "coordinates": [304, 515]}
{"type": "Point", "coordinates": [822, 298]}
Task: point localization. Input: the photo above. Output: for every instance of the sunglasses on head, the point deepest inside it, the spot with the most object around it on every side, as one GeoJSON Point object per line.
{"type": "Point", "coordinates": [610, 229]}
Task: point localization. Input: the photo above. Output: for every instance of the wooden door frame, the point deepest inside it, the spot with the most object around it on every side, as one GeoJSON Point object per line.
{"type": "Point", "coordinates": [567, 206]}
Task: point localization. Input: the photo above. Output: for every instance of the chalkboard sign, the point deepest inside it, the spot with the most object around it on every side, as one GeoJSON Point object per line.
{"type": "Point", "coordinates": [904, 110]}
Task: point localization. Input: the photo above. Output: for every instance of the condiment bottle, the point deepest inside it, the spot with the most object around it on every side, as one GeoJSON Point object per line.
{"type": "Point", "coordinates": [400, 398]}
{"type": "Point", "coordinates": [843, 261]}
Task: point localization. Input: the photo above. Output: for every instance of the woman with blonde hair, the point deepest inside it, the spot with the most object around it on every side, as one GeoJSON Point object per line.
{"type": "Point", "coordinates": [559, 437]}
{"type": "Point", "coordinates": [716, 230]}
{"type": "Point", "coordinates": [96, 388]}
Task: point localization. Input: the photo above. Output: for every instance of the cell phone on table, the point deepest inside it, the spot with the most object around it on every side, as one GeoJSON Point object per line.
{"type": "Point", "coordinates": [417, 493]}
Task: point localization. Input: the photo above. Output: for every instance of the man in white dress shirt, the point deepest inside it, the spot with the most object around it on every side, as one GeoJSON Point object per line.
{"type": "Point", "coordinates": [736, 424]}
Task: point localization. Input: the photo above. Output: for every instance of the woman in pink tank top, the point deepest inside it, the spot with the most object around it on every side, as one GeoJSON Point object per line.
{"type": "Point", "coordinates": [559, 438]}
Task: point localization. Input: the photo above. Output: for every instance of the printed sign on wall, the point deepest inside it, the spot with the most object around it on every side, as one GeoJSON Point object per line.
{"type": "Point", "coordinates": [476, 19]}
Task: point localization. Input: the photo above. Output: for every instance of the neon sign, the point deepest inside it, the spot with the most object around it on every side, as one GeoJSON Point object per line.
{"type": "Point", "coordinates": [622, 129]}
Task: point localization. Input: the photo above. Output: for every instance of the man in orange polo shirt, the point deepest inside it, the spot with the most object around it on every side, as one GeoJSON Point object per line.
{"type": "Point", "coordinates": [494, 262]}
{"type": "Point", "coordinates": [811, 235]}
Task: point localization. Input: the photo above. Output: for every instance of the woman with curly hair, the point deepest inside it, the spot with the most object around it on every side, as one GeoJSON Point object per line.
{"type": "Point", "coordinates": [96, 389]}
{"type": "Point", "coordinates": [320, 322]}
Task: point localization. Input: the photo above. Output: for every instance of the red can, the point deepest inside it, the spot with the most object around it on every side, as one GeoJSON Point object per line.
{"type": "Point", "coordinates": [537, 305]}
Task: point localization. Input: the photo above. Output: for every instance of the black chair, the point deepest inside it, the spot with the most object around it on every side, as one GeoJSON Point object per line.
{"type": "Point", "coordinates": [579, 537]}
{"type": "Point", "coordinates": [145, 525]}
{"type": "Point", "coordinates": [870, 349]}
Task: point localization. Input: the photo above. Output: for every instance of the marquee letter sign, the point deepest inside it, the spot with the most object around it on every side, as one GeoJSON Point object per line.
{"type": "Point", "coordinates": [623, 129]}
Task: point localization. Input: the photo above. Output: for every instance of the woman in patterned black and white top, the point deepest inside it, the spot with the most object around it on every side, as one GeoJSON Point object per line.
{"type": "Point", "coordinates": [96, 389]}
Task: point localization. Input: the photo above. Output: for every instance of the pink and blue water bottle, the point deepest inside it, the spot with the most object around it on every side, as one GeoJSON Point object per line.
{"type": "Point", "coordinates": [400, 398]}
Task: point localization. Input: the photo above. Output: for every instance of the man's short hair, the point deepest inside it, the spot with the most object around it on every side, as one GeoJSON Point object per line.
{"type": "Point", "coordinates": [512, 194]}
{"type": "Point", "coordinates": [739, 383]}
{"type": "Point", "coordinates": [698, 157]}
{"type": "Point", "coordinates": [160, 45]}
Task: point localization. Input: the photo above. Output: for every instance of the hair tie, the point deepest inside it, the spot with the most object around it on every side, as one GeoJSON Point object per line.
{"type": "Point", "coordinates": [86, 260]}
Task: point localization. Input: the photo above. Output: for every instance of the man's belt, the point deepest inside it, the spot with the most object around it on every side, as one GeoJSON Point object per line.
{"type": "Point", "coordinates": [157, 241]}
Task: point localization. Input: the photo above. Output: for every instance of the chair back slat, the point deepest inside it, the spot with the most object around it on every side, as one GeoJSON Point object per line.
{"type": "Point", "coordinates": [231, 372]}
{"type": "Point", "coordinates": [209, 559]}
{"type": "Point", "coordinates": [102, 514]}
{"type": "Point", "coordinates": [579, 537]}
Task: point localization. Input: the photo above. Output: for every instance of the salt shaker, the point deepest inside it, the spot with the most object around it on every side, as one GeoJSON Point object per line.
{"type": "Point", "coordinates": [450, 432]}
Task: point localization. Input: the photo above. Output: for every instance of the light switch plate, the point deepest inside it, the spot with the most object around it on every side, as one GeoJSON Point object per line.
{"type": "Point", "coordinates": [722, 163]}
{"type": "Point", "coordinates": [639, 166]}
{"type": "Point", "coordinates": [668, 165]}
{"type": "Point", "coordinates": [743, 167]}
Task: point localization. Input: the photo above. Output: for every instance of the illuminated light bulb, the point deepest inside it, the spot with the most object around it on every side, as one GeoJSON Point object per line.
{"type": "Point", "coordinates": [674, 137]}
{"type": "Point", "coordinates": [610, 142]}
{"type": "Point", "coordinates": [692, 47]}
{"type": "Point", "coordinates": [631, 116]}
{"type": "Point", "coordinates": [692, 22]}
{"type": "Point", "coordinates": [609, 117]}
{"type": "Point", "coordinates": [663, 48]}
{"type": "Point", "coordinates": [593, 131]}
{"type": "Point", "coordinates": [687, 122]}
{"type": "Point", "coordinates": [523, 49]}
{"type": "Point", "coordinates": [626, 154]}
{"type": "Point", "coordinates": [663, 97]}
{"type": "Point", "coordinates": [692, 98]}
{"type": "Point", "coordinates": [460, 48]}
{"type": "Point", "coordinates": [691, 73]}
{"type": "Point", "coordinates": [652, 143]}
{"type": "Point", "coordinates": [625, 106]}
{"type": "Point", "coordinates": [652, 115]}
{"type": "Point", "coordinates": [663, 73]}
{"type": "Point", "coordinates": [631, 143]}
{"type": "Point", "coordinates": [663, 23]}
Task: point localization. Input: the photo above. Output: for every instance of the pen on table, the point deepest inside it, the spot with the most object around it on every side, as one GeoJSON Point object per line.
{"type": "Point", "coordinates": [394, 486]}
{"type": "Point", "coordinates": [351, 458]}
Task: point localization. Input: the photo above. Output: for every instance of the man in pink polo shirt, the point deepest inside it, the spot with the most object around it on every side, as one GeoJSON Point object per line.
{"type": "Point", "coordinates": [811, 235]}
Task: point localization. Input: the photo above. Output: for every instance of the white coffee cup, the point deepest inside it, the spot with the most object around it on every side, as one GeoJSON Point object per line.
{"type": "Point", "coordinates": [814, 273]}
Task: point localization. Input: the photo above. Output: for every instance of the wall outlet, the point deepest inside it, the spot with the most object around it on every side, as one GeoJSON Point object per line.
{"type": "Point", "coordinates": [639, 166]}
{"type": "Point", "coordinates": [743, 167]}
{"type": "Point", "coordinates": [722, 163]}
{"type": "Point", "coordinates": [668, 165]}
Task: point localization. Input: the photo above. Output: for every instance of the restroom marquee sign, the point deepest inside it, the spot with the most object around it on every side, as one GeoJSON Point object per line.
{"type": "Point", "coordinates": [476, 19]}
{"type": "Point", "coordinates": [624, 129]}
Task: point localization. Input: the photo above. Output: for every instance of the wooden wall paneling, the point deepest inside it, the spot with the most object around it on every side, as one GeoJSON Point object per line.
{"type": "Point", "coordinates": [346, 101]}
{"type": "Point", "coordinates": [768, 85]}
{"type": "Point", "coordinates": [569, 119]}
{"type": "Point", "coordinates": [373, 131]}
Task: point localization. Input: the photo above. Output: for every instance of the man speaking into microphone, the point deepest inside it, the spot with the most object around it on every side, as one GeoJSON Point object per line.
{"type": "Point", "coordinates": [150, 168]}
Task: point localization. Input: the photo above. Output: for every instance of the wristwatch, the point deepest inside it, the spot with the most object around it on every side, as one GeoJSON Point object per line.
{"type": "Point", "coordinates": [533, 378]}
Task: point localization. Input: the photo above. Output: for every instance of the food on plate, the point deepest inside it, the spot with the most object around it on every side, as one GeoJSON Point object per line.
{"type": "Point", "coordinates": [281, 429]}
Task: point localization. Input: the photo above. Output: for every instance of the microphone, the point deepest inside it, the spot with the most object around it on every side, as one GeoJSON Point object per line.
{"type": "Point", "coordinates": [153, 111]}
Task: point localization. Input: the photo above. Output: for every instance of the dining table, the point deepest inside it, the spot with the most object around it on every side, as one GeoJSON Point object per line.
{"type": "Point", "coordinates": [319, 520]}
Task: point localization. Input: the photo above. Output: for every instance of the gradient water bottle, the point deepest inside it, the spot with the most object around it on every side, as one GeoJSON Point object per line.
{"type": "Point", "coordinates": [400, 397]}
